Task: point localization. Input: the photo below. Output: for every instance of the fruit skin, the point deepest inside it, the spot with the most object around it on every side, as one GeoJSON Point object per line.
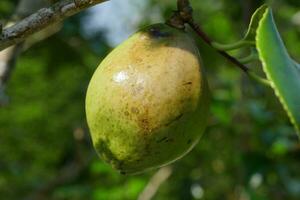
{"type": "Point", "coordinates": [148, 100]}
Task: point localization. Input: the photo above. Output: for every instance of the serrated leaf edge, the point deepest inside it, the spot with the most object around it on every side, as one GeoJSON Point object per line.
{"type": "Point", "coordinates": [276, 91]}
{"type": "Point", "coordinates": [252, 27]}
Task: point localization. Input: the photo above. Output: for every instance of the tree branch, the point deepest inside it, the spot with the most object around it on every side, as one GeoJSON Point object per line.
{"type": "Point", "coordinates": [42, 19]}
{"type": "Point", "coordinates": [184, 15]}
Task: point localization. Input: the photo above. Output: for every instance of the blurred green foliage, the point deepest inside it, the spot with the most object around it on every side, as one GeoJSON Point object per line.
{"type": "Point", "coordinates": [249, 151]}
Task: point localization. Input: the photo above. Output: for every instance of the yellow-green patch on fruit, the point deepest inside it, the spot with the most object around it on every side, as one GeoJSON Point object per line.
{"type": "Point", "coordinates": [148, 100]}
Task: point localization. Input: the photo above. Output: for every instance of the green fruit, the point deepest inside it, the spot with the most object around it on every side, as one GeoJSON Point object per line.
{"type": "Point", "coordinates": [147, 102]}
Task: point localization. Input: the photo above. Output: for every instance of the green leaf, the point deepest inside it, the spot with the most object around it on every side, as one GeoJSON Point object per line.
{"type": "Point", "coordinates": [297, 65]}
{"type": "Point", "coordinates": [280, 69]}
{"type": "Point", "coordinates": [254, 23]}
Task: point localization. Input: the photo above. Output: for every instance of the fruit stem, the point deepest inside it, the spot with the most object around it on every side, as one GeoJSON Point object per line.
{"type": "Point", "coordinates": [184, 15]}
{"type": "Point", "coordinates": [205, 37]}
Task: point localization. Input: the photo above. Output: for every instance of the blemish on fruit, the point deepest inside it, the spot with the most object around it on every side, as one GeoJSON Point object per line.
{"type": "Point", "coordinates": [188, 83]}
{"type": "Point", "coordinates": [174, 120]}
{"type": "Point", "coordinates": [135, 110]}
{"type": "Point", "coordinates": [144, 124]}
{"type": "Point", "coordinates": [104, 151]}
{"type": "Point", "coordinates": [161, 140]}
{"type": "Point", "coordinates": [157, 33]}
{"type": "Point", "coordinates": [169, 140]}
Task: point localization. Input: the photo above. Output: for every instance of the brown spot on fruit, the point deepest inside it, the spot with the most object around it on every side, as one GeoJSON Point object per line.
{"type": "Point", "coordinates": [169, 140]}
{"type": "Point", "coordinates": [135, 110]}
{"type": "Point", "coordinates": [188, 83]}
{"type": "Point", "coordinates": [144, 124]}
{"type": "Point", "coordinates": [163, 139]}
{"type": "Point", "coordinates": [174, 120]}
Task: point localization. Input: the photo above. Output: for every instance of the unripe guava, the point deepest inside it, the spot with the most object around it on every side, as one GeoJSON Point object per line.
{"type": "Point", "coordinates": [148, 100]}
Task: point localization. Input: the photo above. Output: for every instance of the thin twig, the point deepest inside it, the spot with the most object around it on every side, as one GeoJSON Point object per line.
{"type": "Point", "coordinates": [155, 182]}
{"type": "Point", "coordinates": [205, 37]}
{"type": "Point", "coordinates": [42, 19]}
{"type": "Point", "coordinates": [185, 15]}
